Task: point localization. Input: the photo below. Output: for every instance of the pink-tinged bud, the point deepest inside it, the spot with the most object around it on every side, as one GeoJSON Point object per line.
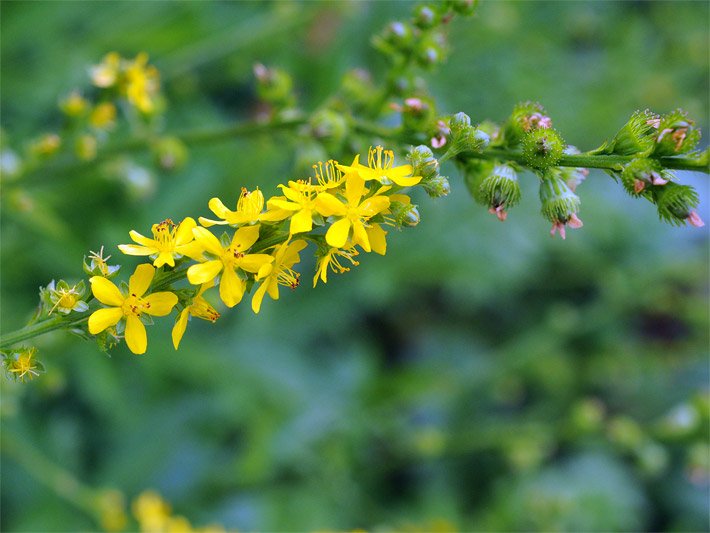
{"type": "Point", "coordinates": [574, 221]}
{"type": "Point", "coordinates": [695, 220]}
{"type": "Point", "coordinates": [639, 186]}
{"type": "Point", "coordinates": [501, 213]}
{"type": "Point", "coordinates": [414, 103]}
{"type": "Point", "coordinates": [658, 180]}
{"type": "Point", "coordinates": [558, 226]}
{"type": "Point", "coordinates": [438, 142]}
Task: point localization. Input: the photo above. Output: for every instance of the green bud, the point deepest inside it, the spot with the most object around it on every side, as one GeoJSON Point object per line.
{"type": "Point", "coordinates": [475, 171]}
{"type": "Point", "coordinates": [399, 34]}
{"type": "Point", "coordinates": [559, 204]}
{"type": "Point", "coordinates": [637, 136]}
{"type": "Point", "coordinates": [170, 153]}
{"type": "Point", "coordinates": [423, 163]}
{"type": "Point", "coordinates": [330, 128]}
{"type": "Point", "coordinates": [467, 139]}
{"type": "Point", "coordinates": [437, 186]}
{"type": "Point", "coordinates": [459, 122]}
{"type": "Point", "coordinates": [431, 51]}
{"type": "Point", "coordinates": [542, 148]}
{"type": "Point", "coordinates": [676, 204]}
{"type": "Point", "coordinates": [464, 7]}
{"type": "Point", "coordinates": [404, 214]}
{"type": "Point", "coordinates": [641, 175]}
{"type": "Point", "coordinates": [425, 17]}
{"type": "Point", "coordinates": [625, 432]}
{"type": "Point", "coordinates": [274, 85]}
{"type": "Point", "coordinates": [417, 113]}
{"type": "Point", "coordinates": [676, 134]}
{"type": "Point", "coordinates": [500, 190]}
{"type": "Point", "coordinates": [526, 117]}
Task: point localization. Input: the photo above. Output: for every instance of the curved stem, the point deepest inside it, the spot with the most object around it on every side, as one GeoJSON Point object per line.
{"type": "Point", "coordinates": [42, 327]}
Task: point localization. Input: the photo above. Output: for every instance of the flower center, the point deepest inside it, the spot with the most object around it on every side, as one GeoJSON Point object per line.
{"type": "Point", "coordinates": [133, 305]}
{"type": "Point", "coordinates": [164, 235]}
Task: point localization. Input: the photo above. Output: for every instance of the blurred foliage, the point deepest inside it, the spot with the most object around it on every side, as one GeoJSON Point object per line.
{"type": "Point", "coordinates": [481, 376]}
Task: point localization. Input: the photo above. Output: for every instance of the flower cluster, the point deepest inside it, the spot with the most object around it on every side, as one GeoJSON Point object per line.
{"type": "Point", "coordinates": [342, 210]}
{"type": "Point", "coordinates": [528, 140]}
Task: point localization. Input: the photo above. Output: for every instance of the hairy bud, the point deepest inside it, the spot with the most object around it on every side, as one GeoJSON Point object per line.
{"type": "Point", "coordinates": [542, 148]}
{"type": "Point", "coordinates": [559, 204]}
{"type": "Point", "coordinates": [676, 204]}
{"type": "Point", "coordinates": [676, 134]}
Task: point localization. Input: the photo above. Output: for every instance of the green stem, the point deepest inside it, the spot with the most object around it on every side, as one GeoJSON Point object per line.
{"type": "Point", "coordinates": [56, 478]}
{"type": "Point", "coordinates": [42, 327]}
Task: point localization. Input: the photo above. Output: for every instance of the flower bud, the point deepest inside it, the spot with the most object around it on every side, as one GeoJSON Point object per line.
{"type": "Point", "coordinates": [404, 213]}
{"type": "Point", "coordinates": [417, 114]}
{"type": "Point", "coordinates": [467, 139]}
{"type": "Point", "coordinates": [526, 117]}
{"type": "Point", "coordinates": [464, 7]}
{"type": "Point", "coordinates": [170, 153]}
{"type": "Point", "coordinates": [475, 171]}
{"type": "Point", "coordinates": [573, 176]}
{"type": "Point", "coordinates": [399, 35]}
{"type": "Point", "coordinates": [273, 85]}
{"type": "Point", "coordinates": [639, 176]}
{"type": "Point", "coordinates": [676, 204]}
{"type": "Point", "coordinates": [500, 190]}
{"type": "Point", "coordinates": [676, 134]}
{"type": "Point", "coordinates": [330, 128]}
{"type": "Point", "coordinates": [74, 105]}
{"type": "Point", "coordinates": [559, 204]}
{"type": "Point", "coordinates": [423, 163]}
{"type": "Point", "coordinates": [459, 122]}
{"type": "Point", "coordinates": [85, 147]}
{"type": "Point", "coordinates": [437, 187]}
{"type": "Point", "coordinates": [46, 145]}
{"type": "Point", "coordinates": [637, 136]}
{"type": "Point", "coordinates": [431, 52]}
{"type": "Point", "coordinates": [425, 17]}
{"type": "Point", "coordinates": [542, 148]}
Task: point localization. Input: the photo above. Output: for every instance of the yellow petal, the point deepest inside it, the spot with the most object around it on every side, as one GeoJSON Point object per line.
{"type": "Point", "coordinates": [139, 282]}
{"type": "Point", "coordinates": [161, 303]}
{"type": "Point", "coordinates": [258, 297]}
{"type": "Point", "coordinates": [193, 250]}
{"type": "Point", "coordinates": [135, 249]}
{"type": "Point", "coordinates": [328, 205]}
{"type": "Point", "coordinates": [136, 338]}
{"type": "Point", "coordinates": [337, 234]}
{"type": "Point", "coordinates": [104, 318]}
{"type": "Point", "coordinates": [374, 205]}
{"type": "Point", "coordinates": [183, 235]}
{"type": "Point", "coordinates": [301, 221]}
{"type": "Point", "coordinates": [204, 272]}
{"type": "Point", "coordinates": [140, 239]}
{"type": "Point", "coordinates": [180, 327]}
{"type": "Point", "coordinates": [253, 262]}
{"type": "Point", "coordinates": [245, 237]}
{"type": "Point", "coordinates": [206, 222]}
{"type": "Point", "coordinates": [105, 291]}
{"type": "Point", "coordinates": [360, 236]}
{"type": "Point", "coordinates": [208, 241]}
{"type": "Point", "coordinates": [354, 189]}
{"type": "Point", "coordinates": [218, 208]}
{"type": "Point", "coordinates": [164, 258]}
{"type": "Point", "coordinates": [376, 235]}
{"type": "Point", "coordinates": [231, 288]}
{"type": "Point", "coordinates": [405, 182]}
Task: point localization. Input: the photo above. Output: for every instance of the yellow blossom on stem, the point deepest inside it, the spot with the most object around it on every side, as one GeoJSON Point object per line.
{"type": "Point", "coordinates": [328, 175]}
{"type": "Point", "coordinates": [141, 83]}
{"type": "Point", "coordinates": [129, 307]}
{"type": "Point", "coordinates": [103, 116]}
{"type": "Point", "coordinates": [331, 260]}
{"type": "Point", "coordinates": [200, 308]}
{"type": "Point", "coordinates": [74, 104]}
{"type": "Point", "coordinates": [232, 261]}
{"type": "Point", "coordinates": [299, 199]}
{"type": "Point", "coordinates": [169, 242]}
{"type": "Point", "coordinates": [380, 168]}
{"type": "Point", "coordinates": [98, 264]}
{"type": "Point", "coordinates": [353, 214]}
{"type": "Point", "coordinates": [21, 365]}
{"type": "Point", "coordinates": [105, 74]}
{"type": "Point", "coordinates": [279, 272]}
{"type": "Point", "coordinates": [249, 210]}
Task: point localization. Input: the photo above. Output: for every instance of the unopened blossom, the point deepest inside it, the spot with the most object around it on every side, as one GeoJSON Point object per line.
{"type": "Point", "coordinates": [249, 210]}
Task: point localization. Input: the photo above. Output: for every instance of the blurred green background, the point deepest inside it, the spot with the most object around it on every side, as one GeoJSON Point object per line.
{"type": "Point", "coordinates": [481, 376]}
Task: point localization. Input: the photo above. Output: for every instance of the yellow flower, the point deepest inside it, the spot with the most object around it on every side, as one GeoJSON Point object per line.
{"type": "Point", "coordinates": [249, 207]}
{"type": "Point", "coordinates": [105, 74]}
{"type": "Point", "coordinates": [141, 83]}
{"type": "Point", "coordinates": [21, 365]}
{"type": "Point", "coordinates": [331, 260]}
{"type": "Point", "coordinates": [228, 260]}
{"type": "Point", "coordinates": [151, 511]}
{"type": "Point", "coordinates": [279, 272]}
{"type": "Point", "coordinates": [299, 199]}
{"type": "Point", "coordinates": [169, 242]}
{"type": "Point", "coordinates": [380, 169]}
{"type": "Point", "coordinates": [66, 299]}
{"type": "Point", "coordinates": [129, 307]}
{"type": "Point", "coordinates": [199, 308]}
{"type": "Point", "coordinates": [46, 145]}
{"type": "Point", "coordinates": [98, 264]}
{"type": "Point", "coordinates": [328, 175]}
{"type": "Point", "coordinates": [353, 214]}
{"type": "Point", "coordinates": [103, 116]}
{"type": "Point", "coordinates": [86, 147]}
{"type": "Point", "coordinates": [74, 104]}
